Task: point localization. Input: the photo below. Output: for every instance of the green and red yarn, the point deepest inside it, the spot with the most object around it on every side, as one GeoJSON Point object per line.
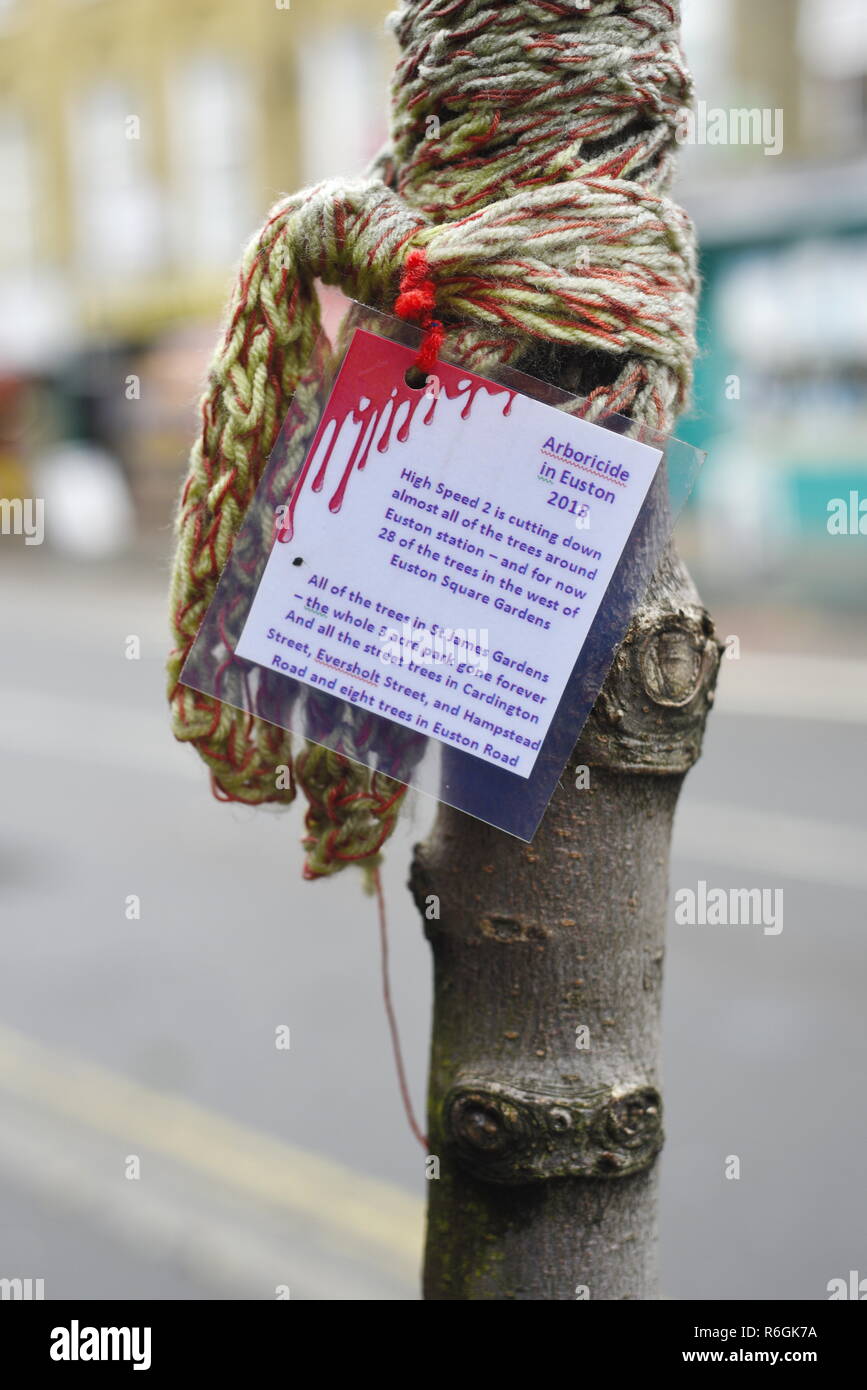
{"type": "Point", "coordinates": [522, 200]}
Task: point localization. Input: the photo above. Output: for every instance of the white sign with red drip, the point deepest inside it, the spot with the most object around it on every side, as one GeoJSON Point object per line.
{"type": "Point", "coordinates": [444, 552]}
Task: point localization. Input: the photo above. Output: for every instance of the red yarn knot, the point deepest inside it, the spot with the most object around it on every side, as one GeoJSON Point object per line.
{"type": "Point", "coordinates": [430, 348]}
{"type": "Point", "coordinates": [417, 291]}
{"type": "Point", "coordinates": [416, 300]}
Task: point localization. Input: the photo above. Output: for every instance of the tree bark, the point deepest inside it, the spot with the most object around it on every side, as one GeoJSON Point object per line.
{"type": "Point", "coordinates": [547, 1184]}
{"type": "Point", "coordinates": [547, 1134]}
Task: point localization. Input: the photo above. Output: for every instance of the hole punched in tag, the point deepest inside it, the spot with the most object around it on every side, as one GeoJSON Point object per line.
{"type": "Point", "coordinates": [415, 378]}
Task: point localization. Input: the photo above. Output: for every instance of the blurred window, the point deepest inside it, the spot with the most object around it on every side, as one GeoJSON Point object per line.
{"type": "Point", "coordinates": [805, 305]}
{"type": "Point", "coordinates": [116, 199]}
{"type": "Point", "coordinates": [212, 130]}
{"type": "Point", "coordinates": [832, 42]}
{"type": "Point", "coordinates": [17, 211]}
{"type": "Point", "coordinates": [339, 102]}
{"type": "Point", "coordinates": [832, 37]}
{"type": "Point", "coordinates": [706, 33]}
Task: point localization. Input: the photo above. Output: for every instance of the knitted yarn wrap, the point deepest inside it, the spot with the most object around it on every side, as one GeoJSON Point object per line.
{"type": "Point", "coordinates": [531, 149]}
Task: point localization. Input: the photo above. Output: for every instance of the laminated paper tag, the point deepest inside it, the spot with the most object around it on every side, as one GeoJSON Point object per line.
{"type": "Point", "coordinates": [444, 553]}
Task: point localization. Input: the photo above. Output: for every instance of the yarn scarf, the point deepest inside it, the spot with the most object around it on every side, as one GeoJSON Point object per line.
{"type": "Point", "coordinates": [532, 147]}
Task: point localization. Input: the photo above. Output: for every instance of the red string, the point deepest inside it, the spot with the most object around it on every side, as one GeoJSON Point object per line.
{"type": "Point", "coordinates": [392, 1020]}
{"type": "Point", "coordinates": [417, 300]}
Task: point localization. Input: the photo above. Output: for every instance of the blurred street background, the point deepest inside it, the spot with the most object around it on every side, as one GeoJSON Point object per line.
{"type": "Point", "coordinates": [154, 941]}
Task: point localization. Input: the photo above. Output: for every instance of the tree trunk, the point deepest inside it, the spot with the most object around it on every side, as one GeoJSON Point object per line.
{"type": "Point", "coordinates": [547, 1134]}
{"type": "Point", "coordinates": [544, 1107]}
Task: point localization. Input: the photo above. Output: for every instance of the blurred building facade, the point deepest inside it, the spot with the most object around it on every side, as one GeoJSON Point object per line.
{"type": "Point", "coordinates": [781, 377]}
{"type": "Point", "coordinates": [141, 142]}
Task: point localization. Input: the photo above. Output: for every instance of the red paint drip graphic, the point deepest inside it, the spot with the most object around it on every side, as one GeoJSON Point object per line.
{"type": "Point", "coordinates": [371, 392]}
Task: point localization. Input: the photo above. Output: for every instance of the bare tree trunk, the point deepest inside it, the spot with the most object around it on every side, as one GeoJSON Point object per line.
{"type": "Point", "coordinates": [544, 1104]}
{"type": "Point", "coordinates": [547, 1135]}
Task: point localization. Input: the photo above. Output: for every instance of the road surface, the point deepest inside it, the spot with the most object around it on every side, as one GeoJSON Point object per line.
{"type": "Point", "coordinates": [147, 1046]}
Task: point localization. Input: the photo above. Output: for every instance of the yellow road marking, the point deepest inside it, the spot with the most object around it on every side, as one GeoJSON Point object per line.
{"type": "Point", "coordinates": [287, 1178]}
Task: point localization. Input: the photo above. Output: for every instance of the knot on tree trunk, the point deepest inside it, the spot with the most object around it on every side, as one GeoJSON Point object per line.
{"type": "Point", "coordinates": [505, 1135]}
{"type": "Point", "coordinates": [651, 712]}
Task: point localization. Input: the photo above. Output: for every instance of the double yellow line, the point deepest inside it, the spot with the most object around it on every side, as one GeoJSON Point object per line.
{"type": "Point", "coordinates": [350, 1207]}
